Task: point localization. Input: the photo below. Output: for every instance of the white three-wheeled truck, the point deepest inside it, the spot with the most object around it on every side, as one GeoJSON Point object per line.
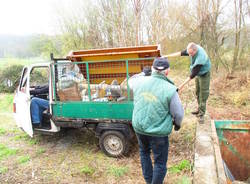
{"type": "Point", "coordinates": [87, 89]}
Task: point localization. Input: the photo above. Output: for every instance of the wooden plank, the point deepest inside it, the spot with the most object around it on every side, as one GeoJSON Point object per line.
{"type": "Point", "coordinates": [96, 57]}
{"type": "Point", "coordinates": [119, 49]}
{"type": "Point", "coordinates": [121, 55]}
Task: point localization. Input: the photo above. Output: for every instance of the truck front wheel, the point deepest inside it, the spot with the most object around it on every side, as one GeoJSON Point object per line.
{"type": "Point", "coordinates": [114, 143]}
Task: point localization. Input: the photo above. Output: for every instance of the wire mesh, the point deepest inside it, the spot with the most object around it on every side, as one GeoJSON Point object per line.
{"type": "Point", "coordinates": [100, 81]}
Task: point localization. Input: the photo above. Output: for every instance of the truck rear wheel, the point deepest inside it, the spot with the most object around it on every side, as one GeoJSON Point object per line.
{"type": "Point", "coordinates": [114, 143]}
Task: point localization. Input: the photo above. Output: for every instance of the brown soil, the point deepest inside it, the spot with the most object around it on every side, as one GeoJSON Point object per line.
{"type": "Point", "coordinates": [230, 97]}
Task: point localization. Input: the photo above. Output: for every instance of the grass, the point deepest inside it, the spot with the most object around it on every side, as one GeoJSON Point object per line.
{"type": "Point", "coordinates": [3, 170]}
{"type": "Point", "coordinates": [6, 125]}
{"type": "Point", "coordinates": [22, 136]}
{"type": "Point", "coordinates": [32, 141]}
{"type": "Point", "coordinates": [14, 130]}
{"type": "Point", "coordinates": [5, 152]}
{"type": "Point", "coordinates": [181, 63]}
{"type": "Point", "coordinates": [184, 180]}
{"type": "Point", "coordinates": [87, 170]}
{"type": "Point", "coordinates": [240, 98]}
{"type": "Point", "coordinates": [23, 159]}
{"type": "Point", "coordinates": [118, 171]}
{"type": "Point", "coordinates": [5, 62]}
{"type": "Point", "coordinates": [6, 101]}
{"type": "Point", "coordinates": [188, 132]}
{"type": "Point", "coordinates": [2, 131]}
{"type": "Point", "coordinates": [26, 137]}
{"type": "Point", "coordinates": [183, 165]}
{"type": "Point", "coordinates": [40, 151]}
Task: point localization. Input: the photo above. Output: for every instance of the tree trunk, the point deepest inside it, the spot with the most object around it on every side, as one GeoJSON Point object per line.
{"type": "Point", "coordinates": [138, 7]}
{"type": "Point", "coordinates": [238, 17]}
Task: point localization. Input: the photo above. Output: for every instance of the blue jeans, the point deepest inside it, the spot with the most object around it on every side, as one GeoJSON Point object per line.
{"type": "Point", "coordinates": [159, 146]}
{"type": "Point", "coordinates": [37, 107]}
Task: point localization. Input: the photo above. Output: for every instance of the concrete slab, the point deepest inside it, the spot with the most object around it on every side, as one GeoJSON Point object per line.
{"type": "Point", "coordinates": [205, 171]}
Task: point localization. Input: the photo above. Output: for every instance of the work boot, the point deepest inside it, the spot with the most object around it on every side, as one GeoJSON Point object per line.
{"type": "Point", "coordinates": [37, 125]}
{"type": "Point", "coordinates": [202, 119]}
{"type": "Point", "coordinates": [195, 112]}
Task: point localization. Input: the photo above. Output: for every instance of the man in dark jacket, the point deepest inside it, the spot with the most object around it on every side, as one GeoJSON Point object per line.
{"type": "Point", "coordinates": [156, 107]}
{"type": "Point", "coordinates": [38, 105]}
{"type": "Point", "coordinates": [200, 67]}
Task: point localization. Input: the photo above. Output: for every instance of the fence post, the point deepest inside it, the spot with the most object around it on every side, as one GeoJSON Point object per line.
{"type": "Point", "coordinates": [128, 89]}
{"type": "Point", "coordinates": [89, 91]}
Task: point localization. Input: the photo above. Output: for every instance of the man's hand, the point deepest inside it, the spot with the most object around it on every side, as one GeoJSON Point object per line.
{"type": "Point", "coordinates": [176, 127]}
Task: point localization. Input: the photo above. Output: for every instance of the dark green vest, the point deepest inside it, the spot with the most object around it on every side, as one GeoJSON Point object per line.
{"type": "Point", "coordinates": [151, 115]}
{"type": "Point", "coordinates": [201, 58]}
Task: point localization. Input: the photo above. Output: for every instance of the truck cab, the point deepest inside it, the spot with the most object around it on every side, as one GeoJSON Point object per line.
{"type": "Point", "coordinates": [33, 76]}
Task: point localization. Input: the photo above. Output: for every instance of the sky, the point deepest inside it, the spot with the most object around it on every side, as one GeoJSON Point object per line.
{"type": "Point", "coordinates": [24, 17]}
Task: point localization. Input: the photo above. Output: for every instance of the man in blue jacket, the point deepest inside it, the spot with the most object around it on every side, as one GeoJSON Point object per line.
{"type": "Point", "coordinates": [200, 67]}
{"type": "Point", "coordinates": [157, 107]}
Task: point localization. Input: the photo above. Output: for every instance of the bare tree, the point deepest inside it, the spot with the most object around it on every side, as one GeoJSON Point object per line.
{"type": "Point", "coordinates": [216, 39]}
{"type": "Point", "coordinates": [203, 19]}
{"type": "Point", "coordinates": [138, 6]}
{"type": "Point", "coordinates": [111, 23]}
{"type": "Point", "coordinates": [238, 26]}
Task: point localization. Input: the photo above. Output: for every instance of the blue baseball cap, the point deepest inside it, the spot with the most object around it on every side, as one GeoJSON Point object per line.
{"type": "Point", "coordinates": [160, 63]}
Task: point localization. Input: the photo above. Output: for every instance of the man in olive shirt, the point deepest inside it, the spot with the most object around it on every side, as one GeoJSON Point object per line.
{"type": "Point", "coordinates": [200, 68]}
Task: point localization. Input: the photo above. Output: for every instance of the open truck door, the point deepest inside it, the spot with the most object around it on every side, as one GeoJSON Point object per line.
{"type": "Point", "coordinates": [22, 104]}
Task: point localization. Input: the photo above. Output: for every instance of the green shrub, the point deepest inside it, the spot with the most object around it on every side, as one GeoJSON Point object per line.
{"type": "Point", "coordinates": [6, 152]}
{"type": "Point", "coordinates": [3, 170]}
{"type": "Point", "coordinates": [38, 77]}
{"type": "Point", "coordinates": [6, 101]}
{"type": "Point", "coordinates": [183, 165]}
{"type": "Point", "coordinates": [40, 151]}
{"type": "Point", "coordinates": [23, 159]}
{"type": "Point", "coordinates": [118, 171]}
{"type": "Point", "coordinates": [2, 131]}
{"type": "Point", "coordinates": [87, 170]}
{"type": "Point", "coordinates": [9, 78]}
